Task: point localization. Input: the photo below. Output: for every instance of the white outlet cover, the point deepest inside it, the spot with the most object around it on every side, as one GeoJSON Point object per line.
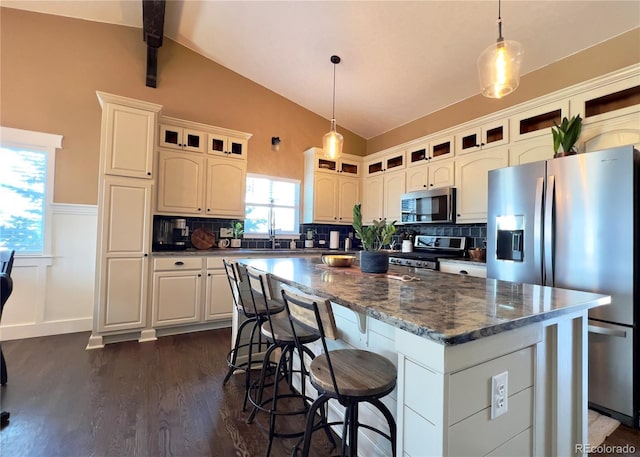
{"type": "Point", "coordinates": [499, 394]}
{"type": "Point", "coordinates": [225, 232]}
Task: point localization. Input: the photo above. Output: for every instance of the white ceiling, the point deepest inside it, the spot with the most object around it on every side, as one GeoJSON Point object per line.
{"type": "Point", "coordinates": [400, 60]}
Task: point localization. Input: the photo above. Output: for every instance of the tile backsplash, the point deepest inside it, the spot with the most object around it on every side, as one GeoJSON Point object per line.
{"type": "Point", "coordinates": [476, 233]}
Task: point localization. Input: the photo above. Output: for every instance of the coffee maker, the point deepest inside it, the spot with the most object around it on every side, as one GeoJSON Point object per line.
{"type": "Point", "coordinates": [170, 234]}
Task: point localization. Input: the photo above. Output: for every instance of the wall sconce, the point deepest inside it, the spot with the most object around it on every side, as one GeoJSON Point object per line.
{"type": "Point", "coordinates": [275, 143]}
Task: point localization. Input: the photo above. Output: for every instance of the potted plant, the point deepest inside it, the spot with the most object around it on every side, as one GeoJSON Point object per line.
{"type": "Point", "coordinates": [373, 238]}
{"type": "Point", "coordinates": [238, 230]}
{"type": "Point", "coordinates": [566, 135]}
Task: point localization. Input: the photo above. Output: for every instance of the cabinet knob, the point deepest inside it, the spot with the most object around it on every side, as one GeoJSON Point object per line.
{"type": "Point", "coordinates": [179, 263]}
{"type": "Point", "coordinates": [199, 275]}
{"type": "Point", "coordinates": [199, 209]}
{"type": "Point", "coordinates": [146, 255]}
{"type": "Point", "coordinates": [148, 173]}
{"type": "Point", "coordinates": [431, 185]}
{"type": "Point", "coordinates": [424, 185]}
{"type": "Point", "coordinates": [208, 210]}
{"type": "Point", "coordinates": [464, 272]}
{"type": "Point", "coordinates": [458, 215]}
{"type": "Point", "coordinates": [208, 274]}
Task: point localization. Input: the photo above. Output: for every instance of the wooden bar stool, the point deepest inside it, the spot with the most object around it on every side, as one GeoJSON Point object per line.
{"type": "Point", "coordinates": [254, 315]}
{"type": "Point", "coordinates": [277, 331]}
{"type": "Point", "coordinates": [350, 376]}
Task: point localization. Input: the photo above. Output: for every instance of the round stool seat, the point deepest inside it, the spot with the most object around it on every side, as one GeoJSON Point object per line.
{"type": "Point", "coordinates": [282, 331]}
{"type": "Point", "coordinates": [358, 373]}
{"type": "Point", "coordinates": [274, 308]}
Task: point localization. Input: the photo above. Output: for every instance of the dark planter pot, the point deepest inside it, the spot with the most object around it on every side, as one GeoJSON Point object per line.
{"type": "Point", "coordinates": [374, 261]}
{"type": "Point", "coordinates": [564, 154]}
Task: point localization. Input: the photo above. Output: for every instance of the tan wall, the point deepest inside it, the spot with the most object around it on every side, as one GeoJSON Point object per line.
{"type": "Point", "coordinates": [51, 67]}
{"type": "Point", "coordinates": [604, 58]}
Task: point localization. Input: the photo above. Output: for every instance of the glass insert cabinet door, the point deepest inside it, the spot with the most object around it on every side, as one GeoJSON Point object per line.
{"type": "Point", "coordinates": [182, 138]}
{"type": "Point", "coordinates": [227, 146]}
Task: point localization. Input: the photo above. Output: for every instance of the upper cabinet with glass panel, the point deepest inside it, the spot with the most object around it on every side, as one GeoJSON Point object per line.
{"type": "Point", "coordinates": [201, 138]}
{"type": "Point", "coordinates": [345, 165]}
{"type": "Point", "coordinates": [182, 138]}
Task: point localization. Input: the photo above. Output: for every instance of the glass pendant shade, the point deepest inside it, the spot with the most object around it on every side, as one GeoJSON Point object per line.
{"type": "Point", "coordinates": [332, 142]}
{"type": "Point", "coordinates": [499, 68]}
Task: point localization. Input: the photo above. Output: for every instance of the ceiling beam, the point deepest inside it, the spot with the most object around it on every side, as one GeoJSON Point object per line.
{"type": "Point", "coordinates": [153, 31]}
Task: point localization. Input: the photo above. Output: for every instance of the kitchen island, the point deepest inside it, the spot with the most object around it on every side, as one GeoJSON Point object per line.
{"type": "Point", "coordinates": [449, 337]}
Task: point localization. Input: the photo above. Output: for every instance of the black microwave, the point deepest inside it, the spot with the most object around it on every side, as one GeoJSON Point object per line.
{"type": "Point", "coordinates": [429, 206]}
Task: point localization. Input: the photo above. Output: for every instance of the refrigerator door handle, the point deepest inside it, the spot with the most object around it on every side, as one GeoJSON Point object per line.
{"type": "Point", "coordinates": [607, 331]}
{"type": "Point", "coordinates": [549, 208]}
{"type": "Point", "coordinates": [537, 229]}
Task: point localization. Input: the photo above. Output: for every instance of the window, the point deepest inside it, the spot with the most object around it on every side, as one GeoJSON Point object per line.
{"type": "Point", "coordinates": [271, 204]}
{"type": "Point", "coordinates": [26, 188]}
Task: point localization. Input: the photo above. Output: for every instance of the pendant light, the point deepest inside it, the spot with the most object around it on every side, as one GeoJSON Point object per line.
{"type": "Point", "coordinates": [499, 65]}
{"type": "Point", "coordinates": [332, 142]}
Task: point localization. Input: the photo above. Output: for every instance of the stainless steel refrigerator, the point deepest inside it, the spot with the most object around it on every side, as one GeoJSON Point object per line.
{"type": "Point", "coordinates": [573, 222]}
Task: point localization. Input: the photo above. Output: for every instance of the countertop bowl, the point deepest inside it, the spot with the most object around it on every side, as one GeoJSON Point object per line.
{"type": "Point", "coordinates": [477, 254]}
{"type": "Point", "coordinates": [338, 260]}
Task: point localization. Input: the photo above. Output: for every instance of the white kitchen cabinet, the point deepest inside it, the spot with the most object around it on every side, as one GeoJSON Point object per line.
{"type": "Point", "coordinates": [228, 146]}
{"type": "Point", "coordinates": [472, 183]}
{"type": "Point", "coordinates": [392, 161]}
{"type": "Point", "coordinates": [372, 199]}
{"type": "Point", "coordinates": [124, 228]}
{"type": "Point", "coordinates": [177, 291]}
{"type": "Point", "coordinates": [218, 300]}
{"type": "Point", "coordinates": [198, 185]}
{"type": "Point", "coordinates": [184, 138]}
{"type": "Point", "coordinates": [538, 121]}
{"type": "Point", "coordinates": [225, 187]}
{"type": "Point", "coordinates": [331, 188]}
{"type": "Point", "coordinates": [128, 135]}
{"type": "Point", "coordinates": [432, 176]}
{"type": "Point", "coordinates": [608, 101]}
{"type": "Point", "coordinates": [181, 183]}
{"type": "Point", "coordinates": [531, 150]}
{"type": "Point", "coordinates": [483, 137]}
{"type": "Point", "coordinates": [349, 167]}
{"type": "Point", "coordinates": [611, 132]}
{"type": "Point", "coordinates": [394, 187]}
{"type": "Point", "coordinates": [436, 149]}
{"type": "Point", "coordinates": [463, 268]}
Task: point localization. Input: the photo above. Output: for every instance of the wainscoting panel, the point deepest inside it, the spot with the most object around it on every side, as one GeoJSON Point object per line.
{"type": "Point", "coordinates": [54, 294]}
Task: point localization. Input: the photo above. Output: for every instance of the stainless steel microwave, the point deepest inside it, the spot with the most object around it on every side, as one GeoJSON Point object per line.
{"type": "Point", "coordinates": [429, 206]}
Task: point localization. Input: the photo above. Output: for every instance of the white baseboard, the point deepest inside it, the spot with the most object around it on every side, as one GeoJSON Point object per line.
{"type": "Point", "coordinates": [20, 331]}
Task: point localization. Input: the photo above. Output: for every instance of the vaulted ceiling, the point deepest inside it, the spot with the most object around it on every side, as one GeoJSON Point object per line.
{"type": "Point", "coordinates": [400, 60]}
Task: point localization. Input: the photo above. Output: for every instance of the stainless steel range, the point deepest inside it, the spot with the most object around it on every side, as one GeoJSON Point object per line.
{"type": "Point", "coordinates": [428, 249]}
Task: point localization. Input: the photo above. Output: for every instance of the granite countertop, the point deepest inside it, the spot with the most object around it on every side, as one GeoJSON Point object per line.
{"type": "Point", "coordinates": [448, 309]}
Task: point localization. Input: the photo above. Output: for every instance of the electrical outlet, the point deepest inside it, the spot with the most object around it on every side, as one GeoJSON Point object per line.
{"type": "Point", "coordinates": [226, 232]}
{"type": "Point", "coordinates": [499, 394]}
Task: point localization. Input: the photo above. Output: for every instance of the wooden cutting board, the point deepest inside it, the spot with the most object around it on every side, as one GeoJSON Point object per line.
{"type": "Point", "coordinates": [202, 238]}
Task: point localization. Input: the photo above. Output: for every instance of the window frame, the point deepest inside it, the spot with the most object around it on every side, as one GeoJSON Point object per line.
{"type": "Point", "coordinates": [47, 143]}
{"type": "Point", "coordinates": [297, 209]}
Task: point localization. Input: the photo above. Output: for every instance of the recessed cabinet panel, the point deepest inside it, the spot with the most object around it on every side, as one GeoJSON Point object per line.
{"type": "Point", "coordinates": [441, 174]}
{"type": "Point", "coordinates": [180, 182]}
{"type": "Point", "coordinates": [325, 195]}
{"type": "Point", "coordinates": [225, 187]}
{"type": "Point", "coordinates": [441, 148]}
{"type": "Point", "coordinates": [375, 167]}
{"type": "Point", "coordinates": [176, 297]}
{"type": "Point", "coordinates": [373, 199]}
{"type": "Point", "coordinates": [124, 296]}
{"type": "Point", "coordinates": [127, 202]}
{"type": "Point", "coordinates": [417, 178]}
{"type": "Point", "coordinates": [129, 141]}
{"type": "Point", "coordinates": [218, 302]}
{"type": "Point", "coordinates": [349, 168]}
{"type": "Point", "coordinates": [471, 180]}
{"type": "Point", "coordinates": [348, 196]}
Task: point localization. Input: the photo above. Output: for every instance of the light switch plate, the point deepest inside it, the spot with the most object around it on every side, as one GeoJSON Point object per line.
{"type": "Point", "coordinates": [225, 232]}
{"type": "Point", "coordinates": [499, 394]}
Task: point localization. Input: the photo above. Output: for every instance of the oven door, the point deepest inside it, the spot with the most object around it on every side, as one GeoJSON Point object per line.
{"type": "Point", "coordinates": [429, 206]}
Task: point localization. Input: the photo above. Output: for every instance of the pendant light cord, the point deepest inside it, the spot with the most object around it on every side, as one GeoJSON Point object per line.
{"type": "Point", "coordinates": [500, 39]}
{"type": "Point", "coordinates": [333, 109]}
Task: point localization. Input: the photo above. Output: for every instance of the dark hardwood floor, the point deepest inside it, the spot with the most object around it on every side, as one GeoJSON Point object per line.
{"type": "Point", "coordinates": [162, 398]}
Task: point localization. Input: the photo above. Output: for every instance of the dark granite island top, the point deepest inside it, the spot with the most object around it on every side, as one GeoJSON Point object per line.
{"type": "Point", "coordinates": [448, 309]}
